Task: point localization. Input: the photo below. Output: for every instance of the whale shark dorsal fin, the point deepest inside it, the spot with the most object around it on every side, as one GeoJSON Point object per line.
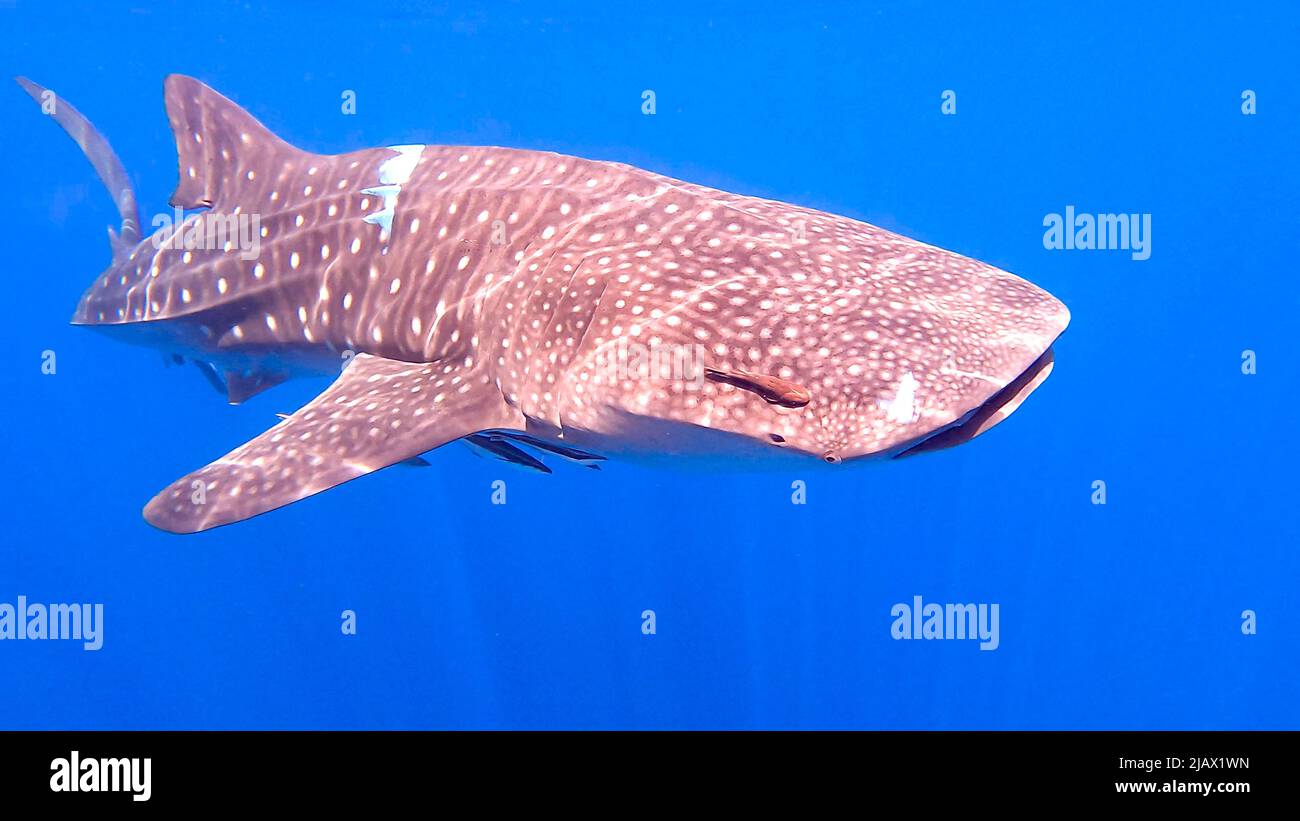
{"type": "Point", "coordinates": [379, 412]}
{"type": "Point", "coordinates": [221, 147]}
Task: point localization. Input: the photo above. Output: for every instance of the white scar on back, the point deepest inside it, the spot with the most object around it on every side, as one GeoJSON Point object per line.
{"type": "Point", "coordinates": [394, 172]}
{"type": "Point", "coordinates": [903, 408]}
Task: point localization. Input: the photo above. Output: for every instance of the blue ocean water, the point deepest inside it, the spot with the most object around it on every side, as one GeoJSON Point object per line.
{"type": "Point", "coordinates": [767, 613]}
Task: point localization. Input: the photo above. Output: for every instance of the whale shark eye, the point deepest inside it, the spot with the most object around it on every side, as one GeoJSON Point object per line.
{"type": "Point", "coordinates": [831, 457]}
{"type": "Point", "coordinates": [776, 437]}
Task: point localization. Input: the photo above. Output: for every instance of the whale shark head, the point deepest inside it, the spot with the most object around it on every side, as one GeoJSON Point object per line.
{"type": "Point", "coordinates": [816, 334]}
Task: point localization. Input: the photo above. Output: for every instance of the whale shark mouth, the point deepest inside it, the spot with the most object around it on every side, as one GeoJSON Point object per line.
{"type": "Point", "coordinates": [998, 407]}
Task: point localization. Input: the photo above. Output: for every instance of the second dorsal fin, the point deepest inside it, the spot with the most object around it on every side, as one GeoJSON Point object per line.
{"type": "Point", "coordinates": [221, 147]}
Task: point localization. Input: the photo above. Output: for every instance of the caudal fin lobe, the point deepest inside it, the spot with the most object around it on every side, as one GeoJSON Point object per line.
{"type": "Point", "coordinates": [101, 156]}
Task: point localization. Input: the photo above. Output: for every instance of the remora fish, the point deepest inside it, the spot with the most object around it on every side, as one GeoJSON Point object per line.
{"type": "Point", "coordinates": [527, 299]}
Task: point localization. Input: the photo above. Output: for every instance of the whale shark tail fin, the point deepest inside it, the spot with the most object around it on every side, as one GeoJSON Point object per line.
{"type": "Point", "coordinates": [101, 156]}
{"type": "Point", "coordinates": [223, 150]}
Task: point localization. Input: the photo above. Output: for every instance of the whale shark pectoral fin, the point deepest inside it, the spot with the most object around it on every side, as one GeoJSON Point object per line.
{"type": "Point", "coordinates": [379, 412]}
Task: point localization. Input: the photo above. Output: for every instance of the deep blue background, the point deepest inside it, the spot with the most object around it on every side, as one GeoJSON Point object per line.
{"type": "Point", "coordinates": [769, 614]}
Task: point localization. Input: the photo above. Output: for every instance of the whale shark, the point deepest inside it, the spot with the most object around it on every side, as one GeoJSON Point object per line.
{"type": "Point", "coordinates": [535, 306]}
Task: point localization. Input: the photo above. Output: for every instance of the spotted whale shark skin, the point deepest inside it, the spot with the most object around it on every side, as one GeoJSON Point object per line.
{"type": "Point", "coordinates": [461, 292]}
